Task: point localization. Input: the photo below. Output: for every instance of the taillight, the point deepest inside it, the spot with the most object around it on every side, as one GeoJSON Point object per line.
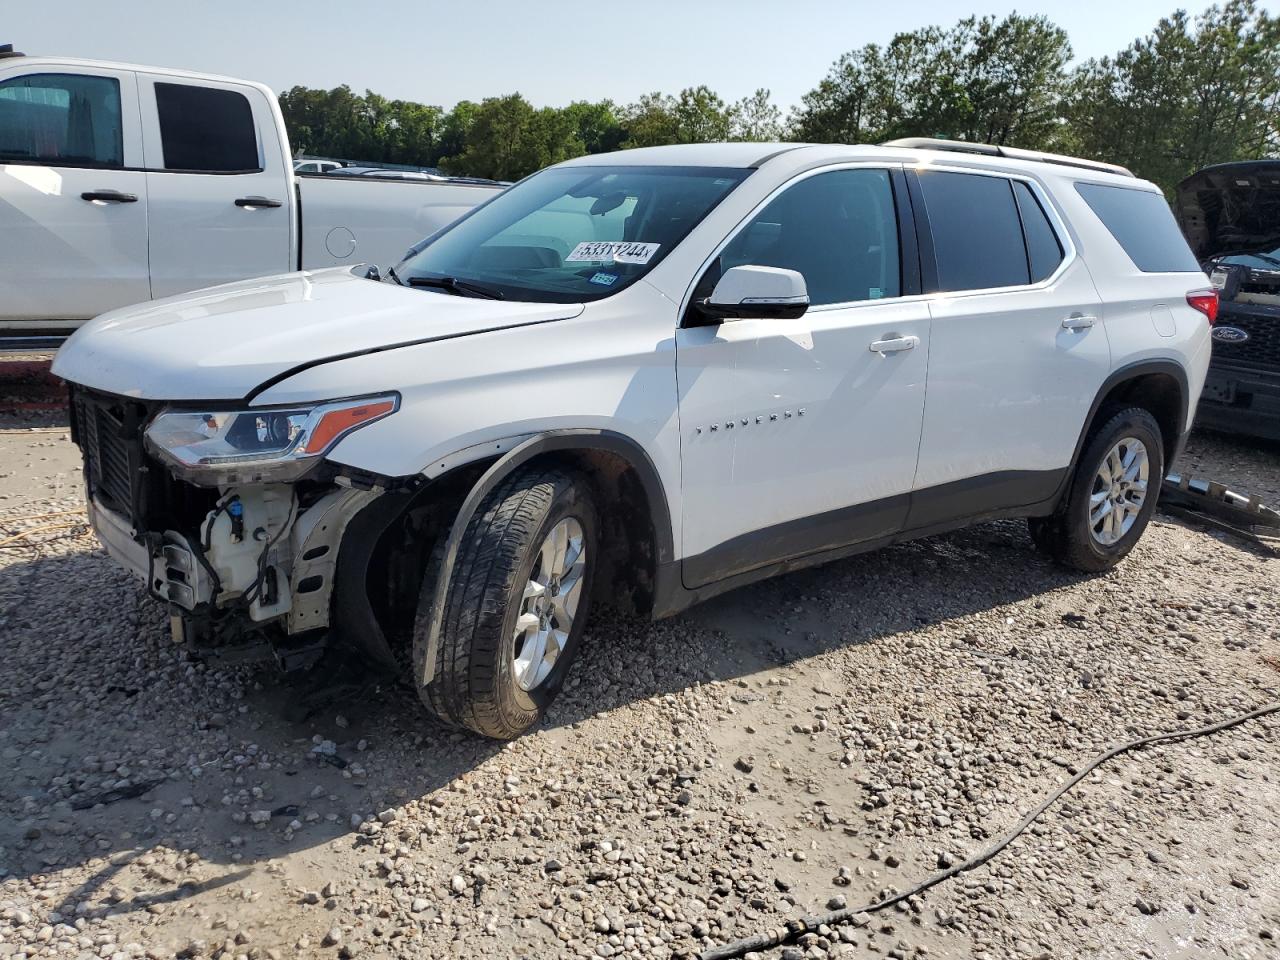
{"type": "Point", "coordinates": [1206, 301]}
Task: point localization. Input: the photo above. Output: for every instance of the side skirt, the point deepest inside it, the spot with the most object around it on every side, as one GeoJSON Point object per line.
{"type": "Point", "coordinates": [798, 544]}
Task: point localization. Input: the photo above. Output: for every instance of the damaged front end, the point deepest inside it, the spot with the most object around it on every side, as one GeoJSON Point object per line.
{"type": "Point", "coordinates": [235, 521]}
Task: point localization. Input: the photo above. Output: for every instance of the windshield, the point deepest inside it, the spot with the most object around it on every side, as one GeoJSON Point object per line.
{"type": "Point", "coordinates": [570, 234]}
{"type": "Point", "coordinates": [1261, 259]}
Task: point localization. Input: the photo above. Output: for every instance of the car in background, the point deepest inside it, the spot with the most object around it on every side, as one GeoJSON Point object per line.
{"type": "Point", "coordinates": [122, 183]}
{"type": "Point", "coordinates": [316, 166]}
{"type": "Point", "coordinates": [1230, 215]}
{"type": "Point", "coordinates": [383, 173]}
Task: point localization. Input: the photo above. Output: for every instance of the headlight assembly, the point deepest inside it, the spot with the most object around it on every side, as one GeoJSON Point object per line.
{"type": "Point", "coordinates": [270, 444]}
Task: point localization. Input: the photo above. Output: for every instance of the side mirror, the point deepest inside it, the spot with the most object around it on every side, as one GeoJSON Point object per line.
{"type": "Point", "coordinates": [757, 292]}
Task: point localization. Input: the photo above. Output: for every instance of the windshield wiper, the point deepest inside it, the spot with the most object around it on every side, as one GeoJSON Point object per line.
{"type": "Point", "coordinates": [391, 272]}
{"type": "Point", "coordinates": [462, 288]}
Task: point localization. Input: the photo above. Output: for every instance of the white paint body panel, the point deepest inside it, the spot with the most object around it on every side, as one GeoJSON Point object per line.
{"type": "Point", "coordinates": [66, 260]}
{"type": "Point", "coordinates": [856, 441]}
{"type": "Point", "coordinates": [1009, 387]}
{"type": "Point", "coordinates": [344, 222]}
{"type": "Point", "coordinates": [994, 383]}
{"type": "Point", "coordinates": [62, 256]}
{"type": "Point", "coordinates": [198, 237]}
{"type": "Point", "coordinates": [221, 343]}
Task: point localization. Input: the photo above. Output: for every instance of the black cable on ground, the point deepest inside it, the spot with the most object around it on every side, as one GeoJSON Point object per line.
{"type": "Point", "coordinates": [794, 929]}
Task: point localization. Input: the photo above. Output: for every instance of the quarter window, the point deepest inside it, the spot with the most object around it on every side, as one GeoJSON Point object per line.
{"type": "Point", "coordinates": [203, 128]}
{"type": "Point", "coordinates": [837, 229]}
{"type": "Point", "coordinates": [977, 235]}
{"type": "Point", "coordinates": [1044, 252]}
{"type": "Point", "coordinates": [1143, 225]}
{"type": "Point", "coordinates": [61, 119]}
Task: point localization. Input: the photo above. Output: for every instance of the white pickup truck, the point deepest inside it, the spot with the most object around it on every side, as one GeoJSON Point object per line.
{"type": "Point", "coordinates": [123, 183]}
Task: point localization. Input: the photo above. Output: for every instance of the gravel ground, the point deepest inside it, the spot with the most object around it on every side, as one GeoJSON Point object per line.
{"type": "Point", "coordinates": [817, 740]}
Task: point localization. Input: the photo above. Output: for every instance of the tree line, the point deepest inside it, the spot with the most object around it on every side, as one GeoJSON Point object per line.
{"type": "Point", "coordinates": [1194, 91]}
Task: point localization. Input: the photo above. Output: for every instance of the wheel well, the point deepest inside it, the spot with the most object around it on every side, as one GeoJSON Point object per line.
{"type": "Point", "coordinates": [627, 572]}
{"type": "Point", "coordinates": [398, 562]}
{"type": "Point", "coordinates": [1160, 394]}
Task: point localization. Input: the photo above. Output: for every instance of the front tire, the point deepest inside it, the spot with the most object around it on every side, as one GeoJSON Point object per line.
{"type": "Point", "coordinates": [1113, 493]}
{"type": "Point", "coordinates": [515, 606]}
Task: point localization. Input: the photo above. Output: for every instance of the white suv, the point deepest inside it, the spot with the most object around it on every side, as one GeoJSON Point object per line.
{"type": "Point", "coordinates": [643, 378]}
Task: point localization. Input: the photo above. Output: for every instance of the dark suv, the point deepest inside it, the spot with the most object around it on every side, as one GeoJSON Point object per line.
{"type": "Point", "coordinates": [1230, 214]}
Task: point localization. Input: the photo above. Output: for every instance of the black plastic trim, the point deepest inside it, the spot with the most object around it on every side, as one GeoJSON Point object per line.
{"type": "Point", "coordinates": [908, 242]}
{"type": "Point", "coordinates": [972, 498]}
{"type": "Point", "coordinates": [899, 517]}
{"type": "Point", "coordinates": [817, 533]}
{"type": "Point", "coordinates": [671, 596]}
{"type": "Point", "coordinates": [924, 235]}
{"type": "Point", "coordinates": [353, 619]}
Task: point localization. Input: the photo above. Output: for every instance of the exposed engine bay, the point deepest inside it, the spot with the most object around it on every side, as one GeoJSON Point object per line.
{"type": "Point", "coordinates": [247, 569]}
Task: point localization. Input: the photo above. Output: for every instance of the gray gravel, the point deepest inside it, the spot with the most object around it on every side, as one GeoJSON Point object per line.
{"type": "Point", "coordinates": [804, 744]}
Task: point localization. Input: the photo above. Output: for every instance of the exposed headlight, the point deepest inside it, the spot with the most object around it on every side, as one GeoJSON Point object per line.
{"type": "Point", "coordinates": [270, 444]}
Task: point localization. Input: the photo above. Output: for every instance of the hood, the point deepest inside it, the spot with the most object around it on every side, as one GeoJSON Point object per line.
{"type": "Point", "coordinates": [225, 342]}
{"type": "Point", "coordinates": [1231, 207]}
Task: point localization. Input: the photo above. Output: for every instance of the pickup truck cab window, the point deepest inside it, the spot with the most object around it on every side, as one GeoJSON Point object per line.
{"type": "Point", "coordinates": [206, 129]}
{"type": "Point", "coordinates": [575, 233]}
{"type": "Point", "coordinates": [61, 119]}
{"type": "Point", "coordinates": [838, 229]}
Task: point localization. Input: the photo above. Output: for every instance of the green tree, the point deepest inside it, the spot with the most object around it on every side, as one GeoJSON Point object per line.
{"type": "Point", "coordinates": [701, 116]}
{"type": "Point", "coordinates": [1191, 93]}
{"type": "Point", "coordinates": [755, 118]}
{"type": "Point", "coordinates": [650, 122]}
{"type": "Point", "coordinates": [993, 81]}
{"type": "Point", "coordinates": [596, 125]}
{"type": "Point", "coordinates": [508, 139]}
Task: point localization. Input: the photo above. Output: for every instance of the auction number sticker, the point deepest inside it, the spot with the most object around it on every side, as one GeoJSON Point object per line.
{"type": "Point", "coordinates": [609, 251]}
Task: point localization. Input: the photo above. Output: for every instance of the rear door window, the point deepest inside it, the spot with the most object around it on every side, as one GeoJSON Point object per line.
{"type": "Point", "coordinates": [976, 230]}
{"type": "Point", "coordinates": [1143, 225]}
{"type": "Point", "coordinates": [61, 120]}
{"type": "Point", "coordinates": [1044, 252]}
{"type": "Point", "coordinates": [206, 129]}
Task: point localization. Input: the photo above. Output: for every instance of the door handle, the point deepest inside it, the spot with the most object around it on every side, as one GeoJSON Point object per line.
{"type": "Point", "coordinates": [109, 196]}
{"type": "Point", "coordinates": [1078, 323]}
{"type": "Point", "coordinates": [258, 202]}
{"type": "Point", "coordinates": [893, 344]}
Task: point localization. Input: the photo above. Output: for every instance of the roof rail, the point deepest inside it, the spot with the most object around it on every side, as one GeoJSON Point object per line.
{"type": "Point", "coordinates": [1012, 153]}
{"type": "Point", "coordinates": [6, 50]}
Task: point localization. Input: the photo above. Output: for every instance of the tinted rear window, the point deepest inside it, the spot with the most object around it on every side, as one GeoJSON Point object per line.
{"type": "Point", "coordinates": [1044, 252]}
{"type": "Point", "coordinates": [1143, 225]}
{"type": "Point", "coordinates": [977, 236]}
{"type": "Point", "coordinates": [203, 128]}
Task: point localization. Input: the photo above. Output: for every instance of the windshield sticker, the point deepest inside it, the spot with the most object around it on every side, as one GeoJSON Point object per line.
{"type": "Point", "coordinates": [613, 252]}
{"type": "Point", "coordinates": [604, 279]}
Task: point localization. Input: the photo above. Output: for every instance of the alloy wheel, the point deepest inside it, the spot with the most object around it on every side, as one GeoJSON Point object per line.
{"type": "Point", "coordinates": [549, 603]}
{"type": "Point", "coordinates": [1119, 491]}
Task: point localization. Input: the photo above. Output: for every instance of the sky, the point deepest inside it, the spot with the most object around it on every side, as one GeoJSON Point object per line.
{"type": "Point", "coordinates": [552, 52]}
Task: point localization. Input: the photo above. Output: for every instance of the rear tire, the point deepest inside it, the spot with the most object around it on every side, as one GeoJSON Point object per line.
{"type": "Point", "coordinates": [1113, 493]}
{"type": "Point", "coordinates": [516, 603]}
